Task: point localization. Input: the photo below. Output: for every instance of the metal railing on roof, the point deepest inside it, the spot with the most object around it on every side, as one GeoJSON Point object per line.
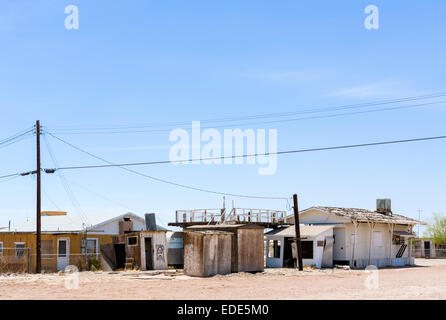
{"type": "Point", "coordinates": [236, 215]}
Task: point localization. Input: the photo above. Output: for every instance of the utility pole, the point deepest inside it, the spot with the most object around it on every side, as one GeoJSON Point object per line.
{"type": "Point", "coordinates": [297, 229]}
{"type": "Point", "coordinates": [38, 202]}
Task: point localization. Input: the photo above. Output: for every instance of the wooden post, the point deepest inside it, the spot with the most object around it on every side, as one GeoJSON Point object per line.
{"type": "Point", "coordinates": [38, 204]}
{"type": "Point", "coordinates": [297, 229]}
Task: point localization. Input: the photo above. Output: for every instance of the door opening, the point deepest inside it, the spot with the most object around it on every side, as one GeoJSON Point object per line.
{"type": "Point", "coordinates": [120, 255]}
{"type": "Point", "coordinates": [148, 251]}
{"type": "Point", "coordinates": [63, 253]}
{"type": "Point", "coordinates": [427, 249]}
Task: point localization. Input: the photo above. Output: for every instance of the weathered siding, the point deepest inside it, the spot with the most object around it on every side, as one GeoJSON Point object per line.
{"type": "Point", "coordinates": [159, 249]}
{"type": "Point", "coordinates": [49, 263]}
{"type": "Point", "coordinates": [138, 251]}
{"type": "Point", "coordinates": [250, 250]}
{"type": "Point", "coordinates": [207, 253]}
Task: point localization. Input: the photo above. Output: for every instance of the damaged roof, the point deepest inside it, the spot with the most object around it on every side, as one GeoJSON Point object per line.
{"type": "Point", "coordinates": [306, 231]}
{"type": "Point", "coordinates": [364, 215]}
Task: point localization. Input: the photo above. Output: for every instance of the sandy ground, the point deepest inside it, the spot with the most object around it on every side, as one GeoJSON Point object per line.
{"type": "Point", "coordinates": [427, 280]}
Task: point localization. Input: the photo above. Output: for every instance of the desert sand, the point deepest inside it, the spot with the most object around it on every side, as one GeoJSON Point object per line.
{"type": "Point", "coordinates": [426, 280]}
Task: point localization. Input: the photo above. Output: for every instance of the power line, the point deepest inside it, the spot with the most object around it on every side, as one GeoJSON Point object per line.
{"type": "Point", "coordinates": [10, 178]}
{"type": "Point", "coordinates": [66, 185]}
{"type": "Point", "coordinates": [273, 121]}
{"type": "Point", "coordinates": [10, 175]}
{"type": "Point", "coordinates": [110, 164]}
{"type": "Point", "coordinates": [15, 138]}
{"type": "Point", "coordinates": [143, 128]}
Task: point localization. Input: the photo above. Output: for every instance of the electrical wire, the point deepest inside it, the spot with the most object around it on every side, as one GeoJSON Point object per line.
{"type": "Point", "coordinates": [22, 135]}
{"type": "Point", "coordinates": [111, 164]}
{"type": "Point", "coordinates": [66, 185]}
{"type": "Point", "coordinates": [10, 178]}
{"type": "Point", "coordinates": [140, 212]}
{"type": "Point", "coordinates": [10, 175]}
{"type": "Point", "coordinates": [125, 128]}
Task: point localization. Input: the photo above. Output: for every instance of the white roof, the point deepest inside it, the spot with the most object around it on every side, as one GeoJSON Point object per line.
{"type": "Point", "coordinates": [72, 223]}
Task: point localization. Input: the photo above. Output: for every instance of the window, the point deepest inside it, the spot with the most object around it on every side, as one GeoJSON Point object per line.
{"type": "Point", "coordinates": [274, 249]}
{"type": "Point", "coordinates": [1, 248]}
{"type": "Point", "coordinates": [399, 240]}
{"type": "Point", "coordinates": [92, 246]}
{"type": "Point", "coordinates": [47, 249]}
{"type": "Point", "coordinates": [62, 248]}
{"type": "Point", "coordinates": [320, 243]}
{"type": "Point", "coordinates": [132, 241]}
{"type": "Point", "coordinates": [307, 249]}
{"type": "Point", "coordinates": [19, 249]}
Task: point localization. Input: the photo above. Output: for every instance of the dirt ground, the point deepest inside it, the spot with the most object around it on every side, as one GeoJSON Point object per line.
{"type": "Point", "coordinates": [427, 280]}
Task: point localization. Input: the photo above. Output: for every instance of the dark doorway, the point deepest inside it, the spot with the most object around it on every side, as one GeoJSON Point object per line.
{"type": "Point", "coordinates": [427, 249]}
{"type": "Point", "coordinates": [288, 260]}
{"type": "Point", "coordinates": [149, 256]}
{"type": "Point", "coordinates": [120, 255]}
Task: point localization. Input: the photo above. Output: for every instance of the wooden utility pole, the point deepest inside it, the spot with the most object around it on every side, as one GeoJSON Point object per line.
{"type": "Point", "coordinates": [38, 202]}
{"type": "Point", "coordinates": [297, 229]}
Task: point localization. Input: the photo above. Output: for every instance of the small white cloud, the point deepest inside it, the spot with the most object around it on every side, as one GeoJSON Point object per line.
{"type": "Point", "coordinates": [381, 89]}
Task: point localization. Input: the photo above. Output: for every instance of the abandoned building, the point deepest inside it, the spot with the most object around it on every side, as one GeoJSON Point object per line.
{"type": "Point", "coordinates": [207, 252]}
{"type": "Point", "coordinates": [365, 237]}
{"type": "Point", "coordinates": [427, 248]}
{"type": "Point", "coordinates": [65, 240]}
{"type": "Point", "coordinates": [316, 241]}
{"type": "Point", "coordinates": [245, 226]}
{"type": "Point", "coordinates": [137, 248]}
{"type": "Point", "coordinates": [247, 245]}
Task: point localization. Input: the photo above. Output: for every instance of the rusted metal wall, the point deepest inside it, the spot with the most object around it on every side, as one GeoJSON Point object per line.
{"type": "Point", "coordinates": [207, 253]}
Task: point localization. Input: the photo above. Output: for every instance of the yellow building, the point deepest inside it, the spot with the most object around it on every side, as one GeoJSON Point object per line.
{"type": "Point", "coordinates": [66, 240]}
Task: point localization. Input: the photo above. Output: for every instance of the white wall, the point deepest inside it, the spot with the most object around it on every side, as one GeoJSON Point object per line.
{"type": "Point", "coordinates": [318, 252]}
{"type": "Point", "coordinates": [113, 226]}
{"type": "Point", "coordinates": [368, 248]}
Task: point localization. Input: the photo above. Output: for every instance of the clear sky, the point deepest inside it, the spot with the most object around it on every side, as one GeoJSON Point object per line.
{"type": "Point", "coordinates": [143, 62]}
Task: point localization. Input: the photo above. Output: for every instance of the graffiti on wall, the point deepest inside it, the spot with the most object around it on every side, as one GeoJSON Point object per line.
{"type": "Point", "coordinates": [160, 252]}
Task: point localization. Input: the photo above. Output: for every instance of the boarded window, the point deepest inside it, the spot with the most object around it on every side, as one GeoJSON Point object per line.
{"type": "Point", "coordinates": [47, 249]}
{"type": "Point", "coordinates": [19, 249]}
{"type": "Point", "coordinates": [132, 241]}
{"type": "Point", "coordinates": [307, 249]}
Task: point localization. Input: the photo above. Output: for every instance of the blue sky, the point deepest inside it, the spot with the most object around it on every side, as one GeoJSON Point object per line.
{"type": "Point", "coordinates": [142, 62]}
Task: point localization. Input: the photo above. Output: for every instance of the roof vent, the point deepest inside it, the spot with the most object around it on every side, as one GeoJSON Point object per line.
{"type": "Point", "coordinates": [384, 206]}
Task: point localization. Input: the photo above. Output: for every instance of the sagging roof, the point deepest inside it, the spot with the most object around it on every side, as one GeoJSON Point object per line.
{"type": "Point", "coordinates": [306, 231]}
{"type": "Point", "coordinates": [364, 215]}
{"type": "Point", "coordinates": [404, 234]}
